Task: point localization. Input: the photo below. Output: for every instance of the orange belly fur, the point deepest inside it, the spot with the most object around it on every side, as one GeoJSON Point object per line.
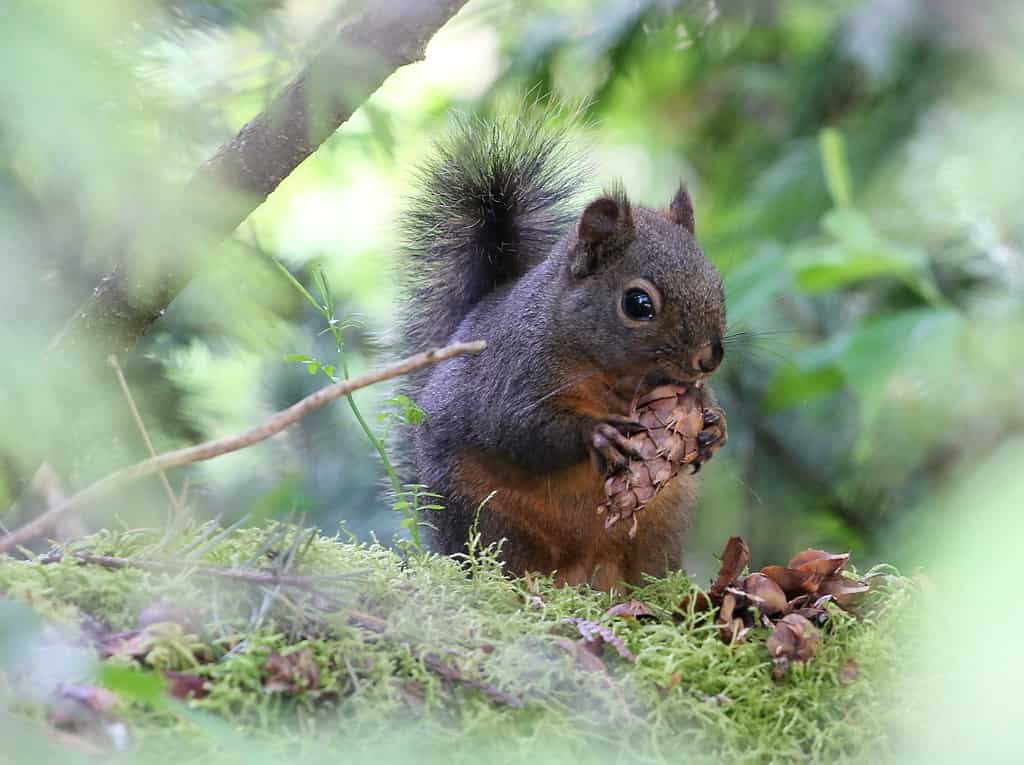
{"type": "Point", "coordinates": [558, 513]}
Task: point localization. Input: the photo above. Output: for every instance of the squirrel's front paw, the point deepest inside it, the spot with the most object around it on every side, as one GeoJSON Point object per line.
{"type": "Point", "coordinates": [609, 444]}
{"type": "Point", "coordinates": [713, 435]}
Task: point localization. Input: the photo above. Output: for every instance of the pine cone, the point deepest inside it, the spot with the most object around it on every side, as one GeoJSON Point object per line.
{"type": "Point", "coordinates": [673, 417]}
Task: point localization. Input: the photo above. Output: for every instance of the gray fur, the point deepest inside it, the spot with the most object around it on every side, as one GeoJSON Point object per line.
{"type": "Point", "coordinates": [542, 313]}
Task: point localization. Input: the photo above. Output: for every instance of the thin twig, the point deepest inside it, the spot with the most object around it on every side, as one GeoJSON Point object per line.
{"type": "Point", "coordinates": [432, 662]}
{"type": "Point", "coordinates": [453, 674]}
{"type": "Point", "coordinates": [436, 665]}
{"type": "Point", "coordinates": [112, 360]}
{"type": "Point", "coordinates": [238, 574]}
{"type": "Point", "coordinates": [286, 564]}
{"type": "Point", "coordinates": [46, 486]}
{"type": "Point", "coordinates": [195, 553]}
{"type": "Point", "coordinates": [205, 451]}
{"type": "Point", "coordinates": [360, 51]}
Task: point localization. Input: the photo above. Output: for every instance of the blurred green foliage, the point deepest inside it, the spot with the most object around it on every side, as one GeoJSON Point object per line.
{"type": "Point", "coordinates": [854, 167]}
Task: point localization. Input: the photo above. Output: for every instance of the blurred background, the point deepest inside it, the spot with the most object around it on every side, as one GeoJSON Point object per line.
{"type": "Point", "coordinates": [856, 169]}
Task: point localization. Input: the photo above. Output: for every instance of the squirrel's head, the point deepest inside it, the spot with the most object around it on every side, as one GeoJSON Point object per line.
{"type": "Point", "coordinates": [638, 279]}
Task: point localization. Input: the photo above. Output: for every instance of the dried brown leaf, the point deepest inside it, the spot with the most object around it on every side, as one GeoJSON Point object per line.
{"type": "Point", "coordinates": [813, 613]}
{"type": "Point", "coordinates": [764, 593]}
{"type": "Point", "coordinates": [291, 674]}
{"type": "Point", "coordinates": [596, 635]}
{"type": "Point", "coordinates": [736, 631]}
{"type": "Point", "coordinates": [700, 601]}
{"type": "Point", "coordinates": [586, 659]}
{"type": "Point", "coordinates": [735, 558]}
{"type": "Point", "coordinates": [635, 609]}
{"type": "Point", "coordinates": [794, 639]}
{"type": "Point", "coordinates": [819, 562]}
{"type": "Point", "coordinates": [793, 582]}
{"type": "Point", "coordinates": [414, 693]}
{"type": "Point", "coordinates": [727, 608]}
{"type": "Point", "coordinates": [674, 679]}
{"type": "Point", "coordinates": [849, 672]}
{"type": "Point", "coordinates": [734, 620]}
{"type": "Point", "coordinates": [843, 589]}
{"type": "Point", "coordinates": [130, 644]}
{"type": "Point", "coordinates": [182, 685]}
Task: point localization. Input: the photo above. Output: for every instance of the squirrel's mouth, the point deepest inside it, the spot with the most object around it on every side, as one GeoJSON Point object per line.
{"type": "Point", "coordinates": [659, 376]}
{"type": "Point", "coordinates": [630, 387]}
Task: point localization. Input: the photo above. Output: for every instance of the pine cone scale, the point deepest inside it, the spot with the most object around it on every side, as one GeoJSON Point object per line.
{"type": "Point", "coordinates": [673, 418]}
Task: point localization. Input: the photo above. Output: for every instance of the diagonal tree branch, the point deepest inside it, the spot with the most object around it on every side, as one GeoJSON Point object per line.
{"type": "Point", "coordinates": [249, 576]}
{"type": "Point", "coordinates": [365, 50]}
{"type": "Point", "coordinates": [210, 449]}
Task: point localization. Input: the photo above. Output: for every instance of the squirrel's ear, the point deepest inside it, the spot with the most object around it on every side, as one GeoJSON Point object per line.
{"type": "Point", "coordinates": [605, 229]}
{"type": "Point", "coordinates": [681, 209]}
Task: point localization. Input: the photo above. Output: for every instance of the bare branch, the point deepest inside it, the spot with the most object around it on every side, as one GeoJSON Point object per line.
{"type": "Point", "coordinates": [432, 662]}
{"type": "Point", "coordinates": [248, 576]}
{"type": "Point", "coordinates": [112, 360]}
{"type": "Point", "coordinates": [211, 449]}
{"type": "Point", "coordinates": [240, 175]}
{"type": "Point", "coordinates": [364, 48]}
{"type": "Point", "coordinates": [435, 664]}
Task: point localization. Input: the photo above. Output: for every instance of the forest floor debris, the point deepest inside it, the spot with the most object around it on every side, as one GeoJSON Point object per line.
{"type": "Point", "coordinates": [389, 656]}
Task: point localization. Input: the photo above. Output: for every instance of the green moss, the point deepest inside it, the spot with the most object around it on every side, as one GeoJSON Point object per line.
{"type": "Point", "coordinates": [376, 698]}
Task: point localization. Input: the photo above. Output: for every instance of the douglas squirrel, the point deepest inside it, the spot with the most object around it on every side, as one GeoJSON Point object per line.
{"type": "Point", "coordinates": [580, 311]}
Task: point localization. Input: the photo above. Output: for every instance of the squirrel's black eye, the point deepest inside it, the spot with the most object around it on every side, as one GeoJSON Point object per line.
{"type": "Point", "coordinates": [638, 304]}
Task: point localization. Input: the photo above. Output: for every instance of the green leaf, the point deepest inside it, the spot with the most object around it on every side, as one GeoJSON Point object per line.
{"type": "Point", "coordinates": [298, 357]}
{"type": "Point", "coordinates": [837, 169]}
{"type": "Point", "coordinates": [324, 288]}
{"type": "Point", "coordinates": [408, 411]}
{"type": "Point", "coordinates": [792, 385]}
{"type": "Point", "coordinates": [833, 267]}
{"type": "Point", "coordinates": [859, 253]}
{"type": "Point", "coordinates": [892, 363]}
{"type": "Point", "coordinates": [852, 229]}
{"type": "Point", "coordinates": [887, 344]}
{"type": "Point", "coordinates": [296, 284]}
{"type": "Point", "coordinates": [133, 684]}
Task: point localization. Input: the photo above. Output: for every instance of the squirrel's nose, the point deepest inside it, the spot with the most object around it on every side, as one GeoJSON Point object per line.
{"type": "Point", "coordinates": [707, 359]}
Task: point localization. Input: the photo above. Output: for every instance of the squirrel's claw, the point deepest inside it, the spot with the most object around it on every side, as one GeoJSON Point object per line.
{"type": "Point", "coordinates": [713, 415]}
{"type": "Point", "coordinates": [714, 435]}
{"type": "Point", "coordinates": [610, 447]}
{"type": "Point", "coordinates": [624, 424]}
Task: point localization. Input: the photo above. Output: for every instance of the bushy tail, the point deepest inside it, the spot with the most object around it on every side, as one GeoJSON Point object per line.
{"type": "Point", "coordinates": [492, 200]}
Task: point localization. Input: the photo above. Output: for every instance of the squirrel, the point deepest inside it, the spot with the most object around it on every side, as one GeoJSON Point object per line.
{"type": "Point", "coordinates": [580, 311]}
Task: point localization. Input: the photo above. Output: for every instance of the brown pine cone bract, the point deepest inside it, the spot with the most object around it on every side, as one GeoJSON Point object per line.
{"type": "Point", "coordinates": [673, 417]}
